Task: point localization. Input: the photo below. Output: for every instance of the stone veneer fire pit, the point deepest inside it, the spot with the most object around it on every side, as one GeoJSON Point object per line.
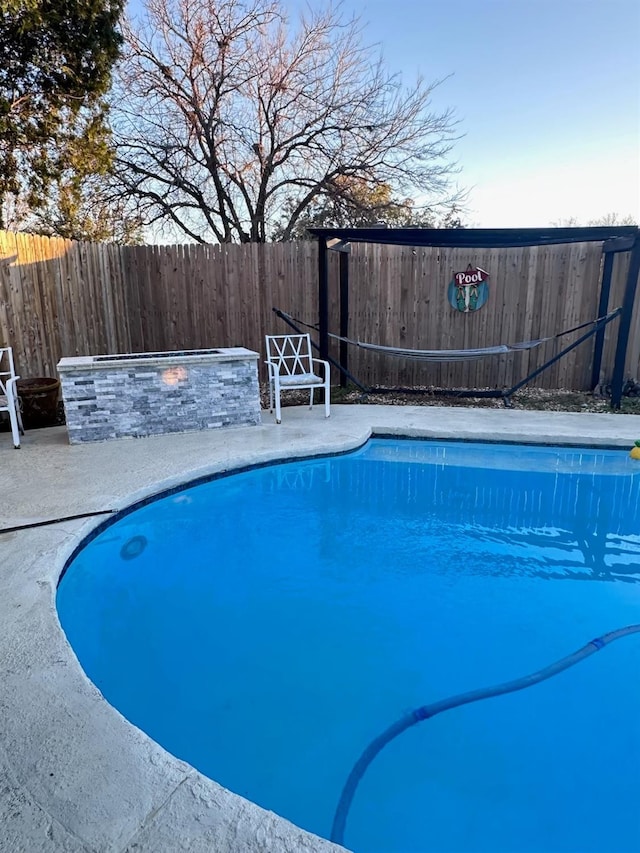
{"type": "Point", "coordinates": [151, 393]}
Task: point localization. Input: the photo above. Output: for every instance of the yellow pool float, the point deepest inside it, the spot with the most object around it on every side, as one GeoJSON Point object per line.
{"type": "Point", "coordinates": [634, 453]}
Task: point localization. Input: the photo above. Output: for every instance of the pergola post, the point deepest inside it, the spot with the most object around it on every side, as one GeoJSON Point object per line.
{"type": "Point", "coordinates": [617, 383]}
{"type": "Point", "coordinates": [323, 297]}
{"type": "Point", "coordinates": [344, 316]}
{"type": "Point", "coordinates": [603, 307]}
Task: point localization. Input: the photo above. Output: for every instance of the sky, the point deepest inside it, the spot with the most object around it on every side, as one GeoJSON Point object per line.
{"type": "Point", "coordinates": [547, 94]}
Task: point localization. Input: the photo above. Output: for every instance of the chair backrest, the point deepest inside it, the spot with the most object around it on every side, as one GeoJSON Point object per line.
{"type": "Point", "coordinates": [290, 353]}
{"type": "Point", "coordinates": [7, 369]}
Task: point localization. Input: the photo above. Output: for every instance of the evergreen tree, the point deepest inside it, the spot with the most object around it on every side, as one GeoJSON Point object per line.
{"type": "Point", "coordinates": [56, 68]}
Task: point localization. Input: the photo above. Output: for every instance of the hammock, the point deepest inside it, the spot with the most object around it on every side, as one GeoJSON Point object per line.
{"type": "Point", "coordinates": [443, 354]}
{"type": "Point", "coordinates": [446, 355]}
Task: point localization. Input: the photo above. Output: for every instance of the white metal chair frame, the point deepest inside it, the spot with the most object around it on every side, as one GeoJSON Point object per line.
{"type": "Point", "coordinates": [9, 401]}
{"type": "Point", "coordinates": [291, 366]}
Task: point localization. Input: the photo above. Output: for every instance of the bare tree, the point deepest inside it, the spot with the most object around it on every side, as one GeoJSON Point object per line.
{"type": "Point", "coordinates": [229, 116]}
{"type": "Point", "coordinates": [352, 203]}
{"type": "Point", "coordinates": [613, 219]}
{"type": "Point", "coordinates": [606, 219]}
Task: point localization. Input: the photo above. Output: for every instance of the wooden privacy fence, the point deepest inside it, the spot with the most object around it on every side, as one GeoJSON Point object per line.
{"type": "Point", "coordinates": [62, 298]}
{"type": "Point", "coordinates": [534, 292]}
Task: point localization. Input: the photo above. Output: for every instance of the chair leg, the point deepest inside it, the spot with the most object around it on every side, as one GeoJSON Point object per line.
{"type": "Point", "coordinates": [326, 400]}
{"type": "Point", "coordinates": [270, 396]}
{"type": "Point", "coordinates": [13, 417]}
{"type": "Point", "coordinates": [311, 398]}
{"type": "Point", "coordinates": [278, 413]}
{"type": "Point", "coordinates": [19, 414]}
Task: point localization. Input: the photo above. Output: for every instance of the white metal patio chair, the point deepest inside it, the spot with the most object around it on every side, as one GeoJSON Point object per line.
{"type": "Point", "coordinates": [291, 366]}
{"type": "Point", "coordinates": [8, 394]}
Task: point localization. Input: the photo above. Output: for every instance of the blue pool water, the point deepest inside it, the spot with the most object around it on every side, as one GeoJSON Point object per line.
{"type": "Point", "coordinates": [266, 626]}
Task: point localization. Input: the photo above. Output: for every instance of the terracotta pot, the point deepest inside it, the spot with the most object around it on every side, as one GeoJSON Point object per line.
{"type": "Point", "coordinates": [39, 400]}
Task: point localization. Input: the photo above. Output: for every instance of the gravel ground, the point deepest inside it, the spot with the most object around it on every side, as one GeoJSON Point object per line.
{"type": "Point", "coordinates": [528, 398]}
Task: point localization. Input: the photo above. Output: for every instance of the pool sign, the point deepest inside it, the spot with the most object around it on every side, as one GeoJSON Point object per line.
{"type": "Point", "coordinates": [469, 290]}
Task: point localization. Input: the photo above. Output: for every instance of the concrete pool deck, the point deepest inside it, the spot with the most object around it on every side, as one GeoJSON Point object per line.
{"type": "Point", "coordinates": [74, 774]}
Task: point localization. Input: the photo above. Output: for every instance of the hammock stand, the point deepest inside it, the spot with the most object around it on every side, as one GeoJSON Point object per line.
{"type": "Point", "coordinates": [440, 356]}
{"type": "Point", "coordinates": [614, 239]}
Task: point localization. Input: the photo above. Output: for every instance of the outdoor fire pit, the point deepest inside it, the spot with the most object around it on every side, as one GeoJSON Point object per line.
{"type": "Point", "coordinates": [113, 396]}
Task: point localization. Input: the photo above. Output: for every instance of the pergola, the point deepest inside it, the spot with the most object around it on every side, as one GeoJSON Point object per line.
{"type": "Point", "coordinates": [614, 239]}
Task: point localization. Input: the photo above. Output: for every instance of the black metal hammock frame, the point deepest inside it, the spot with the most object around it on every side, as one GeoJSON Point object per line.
{"type": "Point", "coordinates": [445, 356]}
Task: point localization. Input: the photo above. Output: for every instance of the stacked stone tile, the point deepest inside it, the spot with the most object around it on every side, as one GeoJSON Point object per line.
{"type": "Point", "coordinates": [157, 393]}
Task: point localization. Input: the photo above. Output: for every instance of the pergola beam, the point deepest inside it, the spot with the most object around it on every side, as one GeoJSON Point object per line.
{"type": "Point", "coordinates": [337, 245]}
{"type": "Point", "coordinates": [481, 238]}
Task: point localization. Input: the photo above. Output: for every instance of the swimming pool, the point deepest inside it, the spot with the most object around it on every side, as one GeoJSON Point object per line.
{"type": "Point", "coordinates": [265, 626]}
